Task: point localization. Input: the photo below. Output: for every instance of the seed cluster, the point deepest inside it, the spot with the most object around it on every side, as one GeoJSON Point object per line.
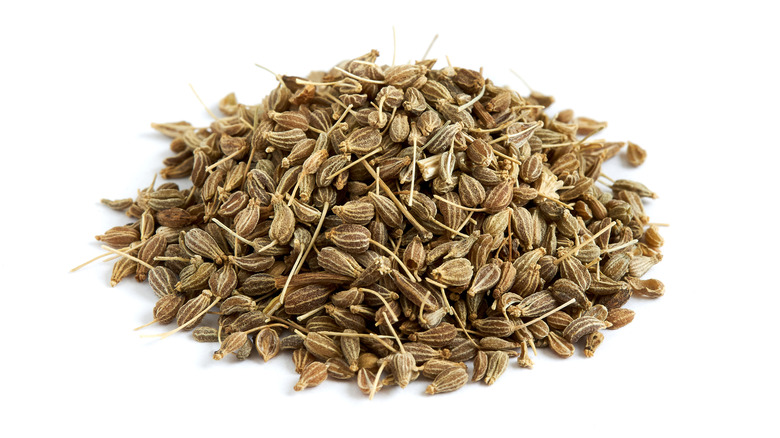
{"type": "Point", "coordinates": [389, 222]}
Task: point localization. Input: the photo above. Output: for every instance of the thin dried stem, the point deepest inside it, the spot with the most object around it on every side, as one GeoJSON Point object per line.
{"type": "Point", "coordinates": [208, 110]}
{"type": "Point", "coordinates": [533, 321]}
{"type": "Point", "coordinates": [376, 381]}
{"type": "Point", "coordinates": [517, 134]}
{"type": "Point", "coordinates": [507, 157]}
{"type": "Point", "coordinates": [359, 160]}
{"type": "Point", "coordinates": [424, 231]}
{"type": "Point", "coordinates": [619, 247]}
{"type": "Point", "coordinates": [234, 234]}
{"type": "Point", "coordinates": [577, 248]}
{"type": "Point", "coordinates": [128, 256]}
{"type": "Point", "coordinates": [392, 329]}
{"type": "Point", "coordinates": [356, 77]}
{"type": "Point", "coordinates": [425, 55]}
{"type": "Point", "coordinates": [181, 327]}
{"type": "Point", "coordinates": [467, 220]}
{"type": "Point", "coordinates": [310, 313]}
{"type": "Point", "coordinates": [298, 265]}
{"type": "Point", "coordinates": [356, 335]}
{"type": "Point", "coordinates": [394, 256]}
{"type": "Point", "coordinates": [414, 168]}
{"type": "Point", "coordinates": [394, 47]}
{"type": "Point", "coordinates": [522, 80]}
{"type": "Point", "coordinates": [472, 101]}
{"type": "Point", "coordinates": [451, 230]}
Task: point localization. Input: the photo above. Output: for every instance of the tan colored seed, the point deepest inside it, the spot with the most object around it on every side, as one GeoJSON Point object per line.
{"type": "Point", "coordinates": [448, 380]}
{"type": "Point", "coordinates": [582, 326]}
{"type": "Point", "coordinates": [311, 376]}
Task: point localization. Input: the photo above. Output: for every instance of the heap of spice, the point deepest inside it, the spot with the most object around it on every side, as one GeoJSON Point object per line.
{"type": "Point", "coordinates": [386, 223]}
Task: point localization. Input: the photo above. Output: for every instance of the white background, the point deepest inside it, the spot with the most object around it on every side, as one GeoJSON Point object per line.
{"type": "Point", "coordinates": [696, 84]}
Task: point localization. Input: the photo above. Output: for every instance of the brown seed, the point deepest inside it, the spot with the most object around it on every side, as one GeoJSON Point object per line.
{"type": "Point", "coordinates": [560, 346]}
{"type": "Point", "coordinates": [267, 343]}
{"type": "Point", "coordinates": [635, 154]}
{"type": "Point", "coordinates": [230, 344]}
{"type": "Point", "coordinates": [306, 299]}
{"type": "Point", "coordinates": [311, 376]}
{"type": "Point", "coordinates": [448, 380]}
{"type": "Point", "coordinates": [499, 197]}
{"type": "Point", "coordinates": [582, 326]}
{"type": "Point", "coordinates": [355, 212]}
{"type": "Point", "coordinates": [592, 342]}
{"type": "Point", "coordinates": [620, 318]}
{"type": "Point", "coordinates": [480, 366]}
{"type": "Point", "coordinates": [498, 361]}
{"type": "Point", "coordinates": [321, 346]}
{"type": "Point", "coordinates": [438, 336]}
{"type": "Point", "coordinates": [455, 272]}
{"type": "Point", "coordinates": [350, 238]}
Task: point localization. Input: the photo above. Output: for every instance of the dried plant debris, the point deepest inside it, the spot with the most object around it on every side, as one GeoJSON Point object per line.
{"type": "Point", "coordinates": [384, 223]}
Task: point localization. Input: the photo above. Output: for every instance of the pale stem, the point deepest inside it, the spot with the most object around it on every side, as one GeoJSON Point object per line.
{"type": "Point", "coordinates": [345, 168]}
{"type": "Point", "coordinates": [222, 160]}
{"type": "Point", "coordinates": [128, 256]}
{"type": "Point", "coordinates": [295, 189]}
{"type": "Point", "coordinates": [257, 329]}
{"type": "Point", "coordinates": [414, 160]}
{"type": "Point", "coordinates": [435, 37]}
{"type": "Point", "coordinates": [506, 124]}
{"type": "Point", "coordinates": [346, 73]}
{"type": "Point", "coordinates": [145, 325]}
{"type": "Point", "coordinates": [507, 157]}
{"type": "Point", "coordinates": [468, 219]}
{"type": "Point", "coordinates": [510, 235]}
{"type": "Point", "coordinates": [376, 381]}
{"type": "Point", "coordinates": [381, 298]}
{"type": "Point", "coordinates": [392, 116]}
{"type": "Point", "coordinates": [356, 335]}
{"type": "Point", "coordinates": [233, 233]}
{"type": "Point", "coordinates": [306, 253]}
{"type": "Point", "coordinates": [473, 101]}
{"type": "Point", "coordinates": [305, 82]}
{"type": "Point", "coordinates": [295, 326]}
{"type": "Point", "coordinates": [619, 247]}
{"type": "Point", "coordinates": [383, 342]}
{"type": "Point", "coordinates": [446, 301]}
{"type": "Point", "coordinates": [562, 204]}
{"type": "Point", "coordinates": [658, 224]}
{"type": "Point", "coordinates": [172, 259]}
{"type": "Point", "coordinates": [452, 230]}
{"type": "Point", "coordinates": [435, 283]}
{"type": "Point", "coordinates": [90, 261]}
{"type": "Point", "coordinates": [517, 134]}
{"type": "Point", "coordinates": [577, 248]}
{"type": "Point", "coordinates": [394, 46]}
{"type": "Point", "coordinates": [204, 105]}
{"type": "Point", "coordinates": [425, 233]}
{"type": "Point", "coordinates": [437, 135]}
{"type": "Point", "coordinates": [608, 178]}
{"type": "Point", "coordinates": [533, 321]}
{"type": "Point", "coordinates": [392, 254]}
{"type": "Point", "coordinates": [310, 313]}
{"type": "Point", "coordinates": [521, 79]}
{"type": "Point", "coordinates": [425, 299]}
{"type": "Point", "coordinates": [395, 335]}
{"type": "Point", "coordinates": [447, 57]}
{"type": "Point", "coordinates": [277, 76]}
{"type": "Point", "coordinates": [249, 162]}
{"type": "Point", "coordinates": [458, 205]}
{"type": "Point", "coordinates": [181, 327]}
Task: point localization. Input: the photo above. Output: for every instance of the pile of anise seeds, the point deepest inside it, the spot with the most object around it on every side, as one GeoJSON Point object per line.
{"type": "Point", "coordinates": [387, 223]}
